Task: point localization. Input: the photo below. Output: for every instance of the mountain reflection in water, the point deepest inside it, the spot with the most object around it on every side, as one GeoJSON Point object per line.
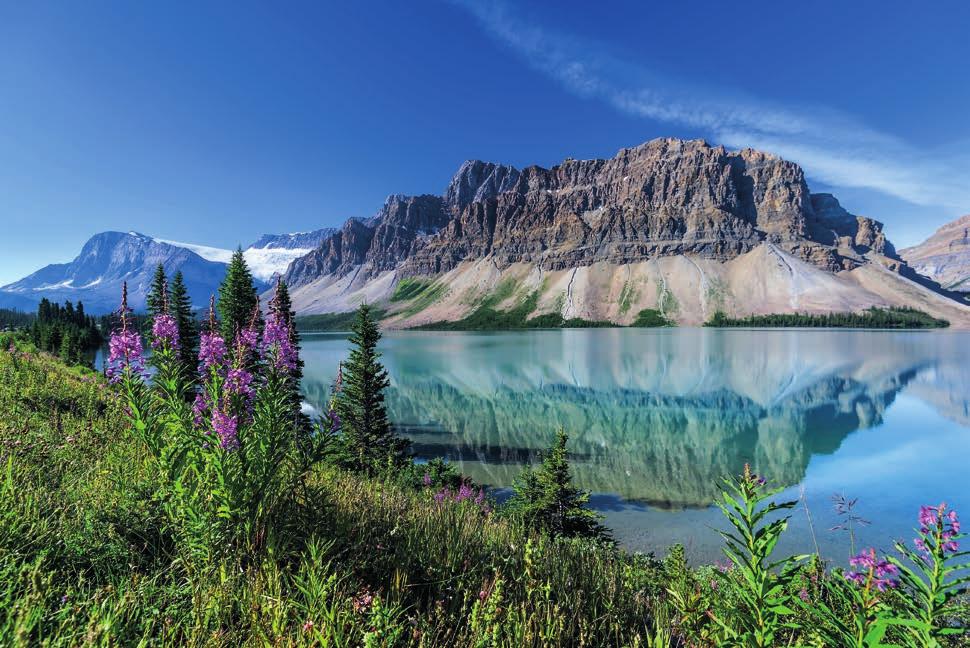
{"type": "Point", "coordinates": [656, 417]}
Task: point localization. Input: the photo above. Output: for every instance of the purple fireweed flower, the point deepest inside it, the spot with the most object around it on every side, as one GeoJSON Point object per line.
{"type": "Point", "coordinates": [440, 496]}
{"type": "Point", "coordinates": [334, 419]}
{"type": "Point", "coordinates": [165, 332]}
{"type": "Point", "coordinates": [125, 353]}
{"type": "Point", "coordinates": [248, 337]}
{"type": "Point", "coordinates": [278, 350]}
{"type": "Point", "coordinates": [240, 383]}
{"type": "Point", "coordinates": [212, 351]}
{"type": "Point", "coordinates": [873, 571]}
{"type": "Point", "coordinates": [199, 409]}
{"type": "Point", "coordinates": [226, 428]}
{"type": "Point", "coordinates": [464, 492]}
{"type": "Point", "coordinates": [942, 526]}
{"type": "Point", "coordinates": [125, 356]}
{"type": "Point", "coordinates": [427, 479]}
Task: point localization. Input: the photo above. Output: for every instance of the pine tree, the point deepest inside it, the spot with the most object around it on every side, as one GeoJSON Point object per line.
{"type": "Point", "coordinates": [546, 498]}
{"type": "Point", "coordinates": [155, 299]}
{"type": "Point", "coordinates": [180, 306]}
{"type": "Point", "coordinates": [237, 297]}
{"type": "Point", "coordinates": [368, 442]}
{"type": "Point", "coordinates": [67, 348]}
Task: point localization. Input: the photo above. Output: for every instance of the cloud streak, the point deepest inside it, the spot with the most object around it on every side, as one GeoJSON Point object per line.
{"type": "Point", "coordinates": [832, 147]}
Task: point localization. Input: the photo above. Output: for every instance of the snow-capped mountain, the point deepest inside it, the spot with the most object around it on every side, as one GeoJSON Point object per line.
{"type": "Point", "coordinates": [106, 261]}
{"type": "Point", "coordinates": [268, 257]}
{"type": "Point", "coordinates": [110, 258]}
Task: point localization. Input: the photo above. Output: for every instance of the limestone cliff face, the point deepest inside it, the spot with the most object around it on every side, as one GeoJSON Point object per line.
{"type": "Point", "coordinates": [666, 197]}
{"type": "Point", "coordinates": [945, 256]}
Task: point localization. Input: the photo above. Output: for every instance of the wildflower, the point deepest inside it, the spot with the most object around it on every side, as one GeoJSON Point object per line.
{"type": "Point", "coordinates": [464, 492]}
{"type": "Point", "coordinates": [278, 350]}
{"type": "Point", "coordinates": [752, 478]}
{"type": "Point", "coordinates": [363, 602]}
{"type": "Point", "coordinates": [199, 409]}
{"type": "Point", "coordinates": [803, 595]}
{"type": "Point", "coordinates": [308, 626]}
{"type": "Point", "coordinates": [334, 419]}
{"type": "Point", "coordinates": [212, 351]}
{"type": "Point", "coordinates": [125, 353]}
{"type": "Point", "coordinates": [941, 526]}
{"type": "Point", "coordinates": [440, 496]}
{"type": "Point", "coordinates": [872, 572]}
{"type": "Point", "coordinates": [226, 428]}
{"type": "Point", "coordinates": [427, 479]}
{"type": "Point", "coordinates": [247, 338]}
{"type": "Point", "coordinates": [239, 382]}
{"type": "Point", "coordinates": [165, 332]}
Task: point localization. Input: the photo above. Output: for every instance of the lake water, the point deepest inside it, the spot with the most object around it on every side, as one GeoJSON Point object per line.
{"type": "Point", "coordinates": [657, 416]}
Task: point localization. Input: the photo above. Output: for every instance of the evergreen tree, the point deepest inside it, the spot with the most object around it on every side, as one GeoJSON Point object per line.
{"type": "Point", "coordinates": [546, 498]}
{"type": "Point", "coordinates": [180, 306]}
{"type": "Point", "coordinates": [237, 297]}
{"type": "Point", "coordinates": [368, 442]}
{"type": "Point", "coordinates": [65, 351]}
{"type": "Point", "coordinates": [155, 300]}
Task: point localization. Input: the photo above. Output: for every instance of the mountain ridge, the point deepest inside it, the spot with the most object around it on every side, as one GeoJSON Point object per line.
{"type": "Point", "coordinates": [711, 228]}
{"type": "Point", "coordinates": [945, 255]}
{"type": "Point", "coordinates": [108, 259]}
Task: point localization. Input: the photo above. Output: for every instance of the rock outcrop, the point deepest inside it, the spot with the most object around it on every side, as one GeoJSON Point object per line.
{"type": "Point", "coordinates": [665, 198]}
{"type": "Point", "coordinates": [945, 256]}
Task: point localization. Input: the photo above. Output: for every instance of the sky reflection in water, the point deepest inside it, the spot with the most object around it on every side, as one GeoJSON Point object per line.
{"type": "Point", "coordinates": [656, 417]}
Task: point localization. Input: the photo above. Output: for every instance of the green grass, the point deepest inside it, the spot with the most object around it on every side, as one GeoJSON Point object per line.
{"type": "Point", "coordinates": [408, 289]}
{"type": "Point", "coordinates": [87, 558]}
{"type": "Point", "coordinates": [627, 296]}
{"type": "Point", "coordinates": [875, 318]}
{"type": "Point", "coordinates": [487, 318]}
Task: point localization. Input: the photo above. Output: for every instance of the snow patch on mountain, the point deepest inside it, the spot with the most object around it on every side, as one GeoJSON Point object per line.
{"type": "Point", "coordinates": [219, 255]}
{"type": "Point", "coordinates": [268, 257]}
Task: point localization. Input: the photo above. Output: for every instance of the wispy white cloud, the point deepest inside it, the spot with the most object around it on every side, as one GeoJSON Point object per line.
{"type": "Point", "coordinates": [832, 147]}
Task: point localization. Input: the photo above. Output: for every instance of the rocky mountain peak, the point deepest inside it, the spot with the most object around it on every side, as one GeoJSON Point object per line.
{"type": "Point", "coordinates": [476, 181]}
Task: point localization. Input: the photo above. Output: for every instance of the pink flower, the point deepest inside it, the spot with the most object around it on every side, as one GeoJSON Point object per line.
{"type": "Point", "coordinates": [226, 428]}
{"type": "Point", "coordinates": [165, 332]}
{"type": "Point", "coordinates": [212, 351]}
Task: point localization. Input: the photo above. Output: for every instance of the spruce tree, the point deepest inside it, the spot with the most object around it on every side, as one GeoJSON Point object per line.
{"type": "Point", "coordinates": [237, 297]}
{"type": "Point", "coordinates": [180, 307]}
{"type": "Point", "coordinates": [368, 442]}
{"type": "Point", "coordinates": [155, 299]}
{"type": "Point", "coordinates": [546, 498]}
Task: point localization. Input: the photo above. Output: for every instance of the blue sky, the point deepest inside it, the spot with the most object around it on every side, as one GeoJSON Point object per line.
{"type": "Point", "coordinates": [217, 122]}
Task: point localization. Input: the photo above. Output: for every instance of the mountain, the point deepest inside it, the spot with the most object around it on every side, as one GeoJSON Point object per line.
{"type": "Point", "coordinates": [271, 255]}
{"type": "Point", "coordinates": [110, 258]}
{"type": "Point", "coordinates": [678, 226]}
{"type": "Point", "coordinates": [944, 256]}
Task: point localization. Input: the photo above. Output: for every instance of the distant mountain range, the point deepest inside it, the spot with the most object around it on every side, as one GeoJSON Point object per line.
{"type": "Point", "coordinates": [676, 226]}
{"type": "Point", "coordinates": [108, 259]}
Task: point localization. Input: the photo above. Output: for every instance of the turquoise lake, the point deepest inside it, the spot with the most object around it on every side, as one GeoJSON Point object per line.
{"type": "Point", "coordinates": [657, 416]}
